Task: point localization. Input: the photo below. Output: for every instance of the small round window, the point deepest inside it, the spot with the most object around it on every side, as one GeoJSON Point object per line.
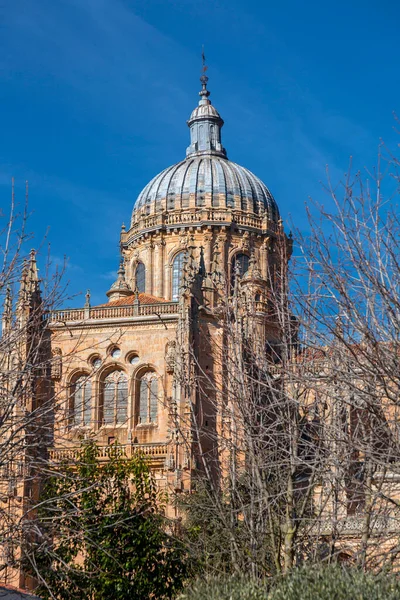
{"type": "Point", "coordinates": [134, 360]}
{"type": "Point", "coordinates": [115, 353]}
{"type": "Point", "coordinates": [94, 361]}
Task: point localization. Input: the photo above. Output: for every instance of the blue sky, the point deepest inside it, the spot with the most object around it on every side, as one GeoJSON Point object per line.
{"type": "Point", "coordinates": [94, 97]}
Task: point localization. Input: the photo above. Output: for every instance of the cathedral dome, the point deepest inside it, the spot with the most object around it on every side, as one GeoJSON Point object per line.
{"type": "Point", "coordinates": [207, 181]}
{"type": "Point", "coordinates": [206, 178]}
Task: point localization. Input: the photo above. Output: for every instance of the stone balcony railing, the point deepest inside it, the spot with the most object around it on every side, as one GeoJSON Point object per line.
{"type": "Point", "coordinates": [153, 451]}
{"type": "Point", "coordinates": [353, 525]}
{"type": "Point", "coordinates": [112, 312]}
{"type": "Point", "coordinates": [196, 217]}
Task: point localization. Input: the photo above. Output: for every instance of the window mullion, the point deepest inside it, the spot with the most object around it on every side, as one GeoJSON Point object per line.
{"type": "Point", "coordinates": [115, 402]}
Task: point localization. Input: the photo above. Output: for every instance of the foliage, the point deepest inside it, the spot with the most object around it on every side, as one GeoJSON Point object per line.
{"type": "Point", "coordinates": [334, 583]}
{"type": "Point", "coordinates": [226, 588]}
{"type": "Point", "coordinates": [209, 541]}
{"type": "Point", "coordinates": [102, 533]}
{"type": "Point", "coordinates": [314, 582]}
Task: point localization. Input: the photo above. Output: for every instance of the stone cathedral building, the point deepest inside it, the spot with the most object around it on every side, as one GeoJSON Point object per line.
{"type": "Point", "coordinates": [125, 371]}
{"type": "Point", "coordinates": [196, 228]}
{"type": "Point", "coordinates": [193, 226]}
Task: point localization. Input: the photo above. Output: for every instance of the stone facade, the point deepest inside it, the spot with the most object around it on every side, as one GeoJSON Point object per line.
{"type": "Point", "coordinates": [207, 225]}
{"type": "Point", "coordinates": [194, 229]}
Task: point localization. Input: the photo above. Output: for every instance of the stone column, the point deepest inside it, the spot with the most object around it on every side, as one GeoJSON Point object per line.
{"type": "Point", "coordinates": [264, 251]}
{"type": "Point", "coordinates": [207, 250]}
{"type": "Point", "coordinates": [221, 243]}
{"type": "Point", "coordinates": [151, 265]}
{"type": "Point", "coordinates": [159, 268]}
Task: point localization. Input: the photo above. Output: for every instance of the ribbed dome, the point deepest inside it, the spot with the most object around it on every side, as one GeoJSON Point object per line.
{"type": "Point", "coordinates": [204, 112]}
{"type": "Point", "coordinates": [207, 181]}
{"type": "Point", "coordinates": [206, 178]}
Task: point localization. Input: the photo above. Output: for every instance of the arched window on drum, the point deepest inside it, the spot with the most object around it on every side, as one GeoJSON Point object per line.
{"type": "Point", "coordinates": [239, 267]}
{"type": "Point", "coordinates": [177, 272]}
{"type": "Point", "coordinates": [114, 401]}
{"type": "Point", "coordinates": [148, 398]}
{"type": "Point", "coordinates": [141, 278]}
{"type": "Point", "coordinates": [81, 401]}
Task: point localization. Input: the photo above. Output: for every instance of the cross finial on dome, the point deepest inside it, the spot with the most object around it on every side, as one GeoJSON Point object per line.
{"type": "Point", "coordinates": [204, 93]}
{"type": "Point", "coordinates": [205, 123]}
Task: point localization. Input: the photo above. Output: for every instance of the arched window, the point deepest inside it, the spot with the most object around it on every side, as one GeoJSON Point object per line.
{"type": "Point", "coordinates": [177, 268]}
{"type": "Point", "coordinates": [201, 135]}
{"type": "Point", "coordinates": [239, 266]}
{"type": "Point", "coordinates": [212, 134]}
{"type": "Point", "coordinates": [141, 277]}
{"type": "Point", "coordinates": [115, 398]}
{"type": "Point", "coordinates": [148, 398]}
{"type": "Point", "coordinates": [81, 401]}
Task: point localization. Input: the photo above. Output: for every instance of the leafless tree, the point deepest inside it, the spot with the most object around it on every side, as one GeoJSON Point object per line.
{"type": "Point", "coordinates": [32, 405]}
{"type": "Point", "coordinates": [350, 312]}
{"type": "Point", "coordinates": [258, 456]}
{"type": "Point", "coordinates": [295, 431]}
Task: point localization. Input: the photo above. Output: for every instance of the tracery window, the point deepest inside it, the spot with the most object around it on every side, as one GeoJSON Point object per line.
{"type": "Point", "coordinates": [239, 266]}
{"type": "Point", "coordinates": [115, 398]}
{"type": "Point", "coordinates": [81, 401]}
{"type": "Point", "coordinates": [148, 398]}
{"type": "Point", "coordinates": [177, 269]}
{"type": "Point", "coordinates": [141, 278]}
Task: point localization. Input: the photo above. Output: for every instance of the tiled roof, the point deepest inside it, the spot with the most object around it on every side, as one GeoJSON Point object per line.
{"type": "Point", "coordinates": [9, 592]}
{"type": "Point", "coordinates": [129, 300]}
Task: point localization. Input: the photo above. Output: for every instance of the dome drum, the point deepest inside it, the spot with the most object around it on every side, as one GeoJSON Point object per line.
{"type": "Point", "coordinates": [146, 225]}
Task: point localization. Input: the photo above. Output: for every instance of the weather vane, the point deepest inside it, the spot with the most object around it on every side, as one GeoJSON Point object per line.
{"type": "Point", "coordinates": [203, 60]}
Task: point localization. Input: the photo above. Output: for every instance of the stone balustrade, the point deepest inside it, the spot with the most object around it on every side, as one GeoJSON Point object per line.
{"type": "Point", "coordinates": [168, 220]}
{"type": "Point", "coordinates": [66, 315]}
{"type": "Point", "coordinates": [353, 525]}
{"type": "Point", "coordinates": [112, 312]}
{"type": "Point", "coordinates": [154, 451]}
{"type": "Point", "coordinates": [260, 307]}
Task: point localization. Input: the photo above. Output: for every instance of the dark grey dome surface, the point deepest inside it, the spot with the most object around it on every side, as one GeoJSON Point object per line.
{"type": "Point", "coordinates": [209, 181]}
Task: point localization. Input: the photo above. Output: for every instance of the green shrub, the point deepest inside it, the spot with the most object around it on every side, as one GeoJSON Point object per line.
{"type": "Point", "coordinates": [334, 583]}
{"type": "Point", "coordinates": [314, 582]}
{"type": "Point", "coordinates": [225, 588]}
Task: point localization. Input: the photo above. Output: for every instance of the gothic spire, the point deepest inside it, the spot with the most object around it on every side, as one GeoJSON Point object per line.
{"type": "Point", "coordinates": [120, 286]}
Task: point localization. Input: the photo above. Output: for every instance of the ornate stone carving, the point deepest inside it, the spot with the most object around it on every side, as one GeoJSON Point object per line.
{"type": "Point", "coordinates": [169, 463]}
{"type": "Point", "coordinates": [220, 240]}
{"type": "Point", "coordinates": [56, 364]}
{"type": "Point", "coordinates": [267, 244]}
{"type": "Point", "coordinates": [186, 460]}
{"type": "Point", "coordinates": [246, 241]}
{"type": "Point", "coordinates": [184, 239]}
{"type": "Point", "coordinates": [170, 356]}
